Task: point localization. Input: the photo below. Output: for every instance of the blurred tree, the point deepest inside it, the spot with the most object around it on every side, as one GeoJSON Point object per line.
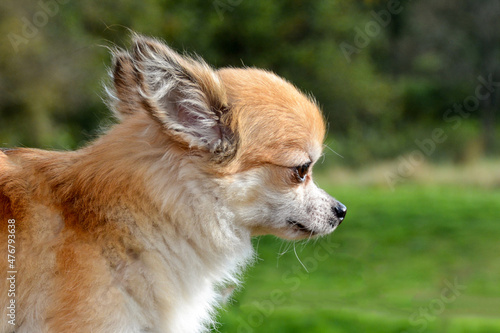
{"type": "Point", "coordinates": [452, 43]}
{"type": "Point", "coordinates": [377, 98]}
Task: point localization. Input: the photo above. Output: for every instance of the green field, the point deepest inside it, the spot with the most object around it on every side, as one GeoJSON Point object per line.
{"type": "Point", "coordinates": [417, 259]}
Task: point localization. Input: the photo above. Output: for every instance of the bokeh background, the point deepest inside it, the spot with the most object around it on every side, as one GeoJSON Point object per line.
{"type": "Point", "coordinates": [411, 91]}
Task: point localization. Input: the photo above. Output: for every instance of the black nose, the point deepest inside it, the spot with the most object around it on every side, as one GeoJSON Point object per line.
{"type": "Point", "coordinates": [340, 210]}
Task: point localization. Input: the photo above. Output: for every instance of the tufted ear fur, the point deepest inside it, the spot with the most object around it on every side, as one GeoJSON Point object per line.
{"type": "Point", "coordinates": [126, 97]}
{"type": "Point", "coordinates": [184, 95]}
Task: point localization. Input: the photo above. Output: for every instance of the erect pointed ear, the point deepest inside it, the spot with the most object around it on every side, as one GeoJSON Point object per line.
{"type": "Point", "coordinates": [126, 98]}
{"type": "Point", "coordinates": [184, 95]}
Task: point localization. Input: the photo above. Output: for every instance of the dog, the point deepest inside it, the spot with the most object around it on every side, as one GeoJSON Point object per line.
{"type": "Point", "coordinates": [140, 230]}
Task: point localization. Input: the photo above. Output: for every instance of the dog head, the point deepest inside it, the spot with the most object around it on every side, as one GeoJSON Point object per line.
{"type": "Point", "coordinates": [251, 134]}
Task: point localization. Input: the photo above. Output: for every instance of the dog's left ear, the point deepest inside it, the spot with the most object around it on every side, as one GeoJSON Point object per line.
{"type": "Point", "coordinates": [185, 95]}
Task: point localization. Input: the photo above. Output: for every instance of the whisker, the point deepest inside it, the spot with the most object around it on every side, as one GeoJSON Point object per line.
{"type": "Point", "coordinates": [287, 248]}
{"type": "Point", "coordinates": [309, 238]}
{"type": "Point", "coordinates": [296, 255]}
{"type": "Point", "coordinates": [323, 157]}
{"type": "Point", "coordinates": [258, 243]}
{"type": "Point", "coordinates": [305, 241]}
{"type": "Point", "coordinates": [281, 253]}
{"type": "Point", "coordinates": [333, 151]}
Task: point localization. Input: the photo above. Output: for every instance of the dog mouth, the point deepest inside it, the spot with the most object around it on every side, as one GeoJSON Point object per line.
{"type": "Point", "coordinates": [300, 227]}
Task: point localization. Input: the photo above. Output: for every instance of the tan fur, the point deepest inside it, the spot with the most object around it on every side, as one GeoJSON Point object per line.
{"type": "Point", "coordinates": [256, 119]}
{"type": "Point", "coordinates": [136, 231]}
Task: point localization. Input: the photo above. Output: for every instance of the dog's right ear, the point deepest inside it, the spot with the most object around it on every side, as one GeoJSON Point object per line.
{"type": "Point", "coordinates": [184, 95]}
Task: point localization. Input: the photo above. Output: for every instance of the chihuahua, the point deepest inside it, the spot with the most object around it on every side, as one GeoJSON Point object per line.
{"type": "Point", "coordinates": [139, 230]}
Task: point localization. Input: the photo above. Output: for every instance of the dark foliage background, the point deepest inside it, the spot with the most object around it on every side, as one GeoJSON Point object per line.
{"type": "Point", "coordinates": [385, 73]}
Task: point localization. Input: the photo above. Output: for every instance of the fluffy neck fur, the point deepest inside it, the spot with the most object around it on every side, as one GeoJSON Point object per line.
{"type": "Point", "coordinates": [141, 183]}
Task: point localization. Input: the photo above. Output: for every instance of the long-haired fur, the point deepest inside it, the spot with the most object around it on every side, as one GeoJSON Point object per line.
{"type": "Point", "coordinates": [137, 231]}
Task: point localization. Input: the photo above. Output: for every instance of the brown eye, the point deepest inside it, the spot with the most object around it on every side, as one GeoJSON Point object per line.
{"type": "Point", "coordinates": [301, 171]}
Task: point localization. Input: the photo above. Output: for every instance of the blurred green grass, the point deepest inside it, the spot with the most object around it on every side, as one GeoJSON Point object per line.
{"type": "Point", "coordinates": [387, 268]}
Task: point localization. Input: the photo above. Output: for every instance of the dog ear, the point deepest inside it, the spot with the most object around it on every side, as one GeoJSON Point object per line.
{"type": "Point", "coordinates": [184, 95]}
{"type": "Point", "coordinates": [126, 98]}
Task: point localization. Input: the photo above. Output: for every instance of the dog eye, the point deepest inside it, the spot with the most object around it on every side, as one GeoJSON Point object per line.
{"type": "Point", "coordinates": [301, 171]}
